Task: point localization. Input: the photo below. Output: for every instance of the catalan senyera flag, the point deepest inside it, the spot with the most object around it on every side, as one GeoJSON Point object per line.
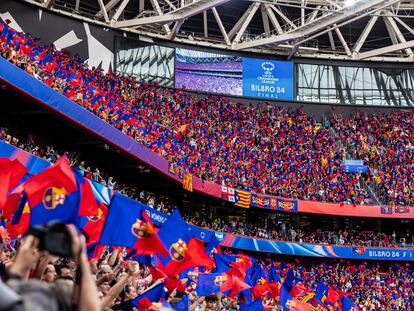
{"type": "Point", "coordinates": [242, 198]}
{"type": "Point", "coordinates": [188, 182]}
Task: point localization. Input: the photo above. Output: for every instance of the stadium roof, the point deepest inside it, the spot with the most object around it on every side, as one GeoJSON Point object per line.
{"type": "Point", "coordinates": [330, 29]}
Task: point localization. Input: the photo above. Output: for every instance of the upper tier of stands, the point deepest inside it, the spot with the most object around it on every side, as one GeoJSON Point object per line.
{"type": "Point", "coordinates": [264, 149]}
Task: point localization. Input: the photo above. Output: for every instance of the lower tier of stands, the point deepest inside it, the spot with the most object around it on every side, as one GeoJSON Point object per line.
{"type": "Point", "coordinates": [104, 195]}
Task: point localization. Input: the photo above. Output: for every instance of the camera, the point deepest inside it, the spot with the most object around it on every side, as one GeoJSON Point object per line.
{"type": "Point", "coordinates": [54, 238]}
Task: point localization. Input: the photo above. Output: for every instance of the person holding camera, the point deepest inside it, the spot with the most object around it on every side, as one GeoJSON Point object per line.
{"type": "Point", "coordinates": [22, 293]}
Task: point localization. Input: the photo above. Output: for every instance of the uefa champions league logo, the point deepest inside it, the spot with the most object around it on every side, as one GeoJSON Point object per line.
{"type": "Point", "coordinates": [268, 68]}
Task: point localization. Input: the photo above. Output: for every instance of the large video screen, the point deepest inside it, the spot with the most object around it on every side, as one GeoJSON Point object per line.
{"type": "Point", "coordinates": [208, 72]}
{"type": "Point", "coordinates": [233, 75]}
{"type": "Point", "coordinates": [267, 78]}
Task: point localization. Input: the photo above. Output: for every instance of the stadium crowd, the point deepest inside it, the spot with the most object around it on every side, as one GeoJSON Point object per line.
{"type": "Point", "coordinates": [113, 282]}
{"type": "Point", "coordinates": [281, 232]}
{"type": "Point", "coordinates": [288, 232]}
{"type": "Point", "coordinates": [219, 66]}
{"type": "Point", "coordinates": [386, 142]}
{"type": "Point", "coordinates": [258, 148]}
{"type": "Point", "coordinates": [228, 143]}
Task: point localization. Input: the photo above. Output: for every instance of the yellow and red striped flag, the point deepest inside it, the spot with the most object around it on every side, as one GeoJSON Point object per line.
{"type": "Point", "coordinates": [242, 198]}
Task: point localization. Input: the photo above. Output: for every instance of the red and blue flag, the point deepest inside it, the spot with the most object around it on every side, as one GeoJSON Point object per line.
{"type": "Point", "coordinates": [53, 194]}
{"type": "Point", "coordinates": [11, 172]}
{"type": "Point", "coordinates": [184, 251]}
{"type": "Point", "coordinates": [128, 225]}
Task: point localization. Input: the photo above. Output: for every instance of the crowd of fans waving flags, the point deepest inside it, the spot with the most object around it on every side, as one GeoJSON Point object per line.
{"type": "Point", "coordinates": [177, 260]}
{"type": "Point", "coordinates": [174, 255]}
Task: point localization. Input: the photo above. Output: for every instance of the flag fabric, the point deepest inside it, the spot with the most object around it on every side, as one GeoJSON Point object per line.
{"type": "Point", "coordinates": [183, 128]}
{"type": "Point", "coordinates": [260, 200]}
{"type": "Point", "coordinates": [184, 251]}
{"type": "Point", "coordinates": [94, 250]}
{"type": "Point", "coordinates": [321, 292]}
{"type": "Point", "coordinates": [300, 290]}
{"type": "Point", "coordinates": [228, 194]}
{"type": "Point", "coordinates": [242, 198]}
{"type": "Point", "coordinates": [258, 276]}
{"type": "Point", "coordinates": [183, 304]}
{"type": "Point", "coordinates": [188, 182]}
{"type": "Point", "coordinates": [88, 205]}
{"type": "Point", "coordinates": [286, 299]}
{"type": "Point", "coordinates": [288, 281]}
{"type": "Point", "coordinates": [210, 283]}
{"type": "Point", "coordinates": [214, 242]}
{"type": "Point", "coordinates": [401, 209]}
{"type": "Point", "coordinates": [12, 202]}
{"type": "Point", "coordinates": [92, 226]}
{"type": "Point", "coordinates": [155, 294]}
{"type": "Point", "coordinates": [21, 219]}
{"type": "Point", "coordinates": [287, 205]}
{"type": "Point", "coordinates": [347, 304]}
{"type": "Point", "coordinates": [53, 194]}
{"type": "Point", "coordinates": [127, 225]}
{"type": "Point", "coordinates": [237, 286]}
{"type": "Point", "coordinates": [256, 305]}
{"type": "Point", "coordinates": [289, 303]}
{"type": "Point", "coordinates": [241, 265]}
{"type": "Point", "coordinates": [273, 276]}
{"type": "Point", "coordinates": [11, 172]}
{"type": "Point", "coordinates": [386, 210]}
{"type": "Point", "coordinates": [333, 296]}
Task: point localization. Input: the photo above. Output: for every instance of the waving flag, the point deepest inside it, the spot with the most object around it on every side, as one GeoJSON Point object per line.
{"type": "Point", "coordinates": [321, 292]}
{"type": "Point", "coordinates": [214, 242]}
{"type": "Point", "coordinates": [289, 303]}
{"type": "Point", "coordinates": [258, 276]}
{"type": "Point", "coordinates": [94, 250]}
{"type": "Point", "coordinates": [288, 281]}
{"type": "Point", "coordinates": [347, 304]}
{"type": "Point", "coordinates": [210, 283]}
{"type": "Point", "coordinates": [241, 265]}
{"type": "Point", "coordinates": [184, 251]}
{"type": "Point", "coordinates": [242, 198]}
{"type": "Point", "coordinates": [333, 296]}
{"type": "Point", "coordinates": [92, 226]}
{"type": "Point", "coordinates": [88, 205]}
{"type": "Point", "coordinates": [273, 275]}
{"type": "Point", "coordinates": [238, 286]}
{"type": "Point", "coordinates": [21, 219]}
{"type": "Point", "coordinates": [11, 172]}
{"type": "Point", "coordinates": [127, 224]}
{"type": "Point", "coordinates": [183, 304]}
{"type": "Point", "coordinates": [286, 299]}
{"type": "Point", "coordinates": [53, 194]}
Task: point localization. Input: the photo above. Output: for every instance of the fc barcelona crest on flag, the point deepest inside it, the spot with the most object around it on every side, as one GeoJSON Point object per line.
{"type": "Point", "coordinates": [220, 280]}
{"type": "Point", "coordinates": [96, 218]}
{"type": "Point", "coordinates": [177, 250]}
{"type": "Point", "coordinates": [53, 196]}
{"type": "Point", "coordinates": [140, 229]}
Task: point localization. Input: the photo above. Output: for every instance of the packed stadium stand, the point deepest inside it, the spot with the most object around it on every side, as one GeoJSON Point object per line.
{"type": "Point", "coordinates": [228, 191]}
